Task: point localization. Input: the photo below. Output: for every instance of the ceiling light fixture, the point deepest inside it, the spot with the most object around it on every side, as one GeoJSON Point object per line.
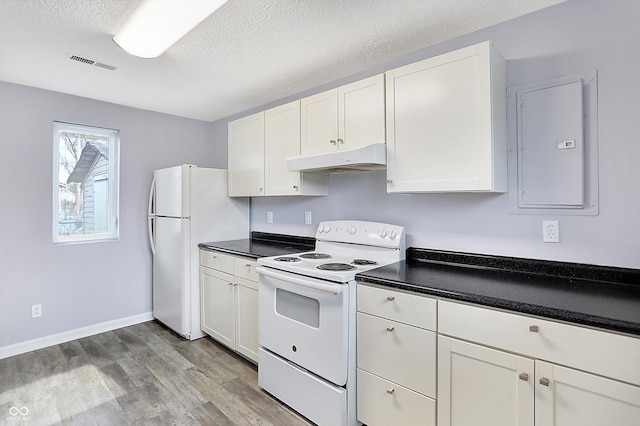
{"type": "Point", "coordinates": [157, 24]}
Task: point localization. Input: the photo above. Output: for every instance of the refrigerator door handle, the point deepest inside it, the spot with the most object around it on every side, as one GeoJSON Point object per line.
{"type": "Point", "coordinates": [151, 216]}
{"type": "Point", "coordinates": [151, 197]}
{"type": "Point", "coordinates": [151, 239]}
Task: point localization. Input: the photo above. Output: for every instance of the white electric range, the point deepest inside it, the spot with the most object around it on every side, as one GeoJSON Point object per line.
{"type": "Point", "coordinates": [307, 317]}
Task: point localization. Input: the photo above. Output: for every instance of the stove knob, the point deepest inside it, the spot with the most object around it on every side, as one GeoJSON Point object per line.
{"type": "Point", "coordinates": [352, 230]}
{"type": "Point", "coordinates": [392, 235]}
{"type": "Point", "coordinates": [327, 228]}
{"type": "Point", "coordinates": [382, 233]}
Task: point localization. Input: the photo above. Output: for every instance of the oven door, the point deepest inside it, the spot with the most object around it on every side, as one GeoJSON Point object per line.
{"type": "Point", "coordinates": [305, 320]}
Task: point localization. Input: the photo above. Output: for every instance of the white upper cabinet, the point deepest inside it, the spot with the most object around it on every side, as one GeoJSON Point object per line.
{"type": "Point", "coordinates": [246, 156]}
{"type": "Point", "coordinates": [348, 117]}
{"type": "Point", "coordinates": [258, 148]}
{"type": "Point", "coordinates": [282, 140]}
{"type": "Point", "coordinates": [446, 123]}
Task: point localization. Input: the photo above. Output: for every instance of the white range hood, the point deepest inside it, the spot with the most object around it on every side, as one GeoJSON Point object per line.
{"type": "Point", "coordinates": [369, 157]}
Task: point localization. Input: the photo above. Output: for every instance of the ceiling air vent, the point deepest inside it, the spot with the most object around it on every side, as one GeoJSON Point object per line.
{"type": "Point", "coordinates": [91, 62]}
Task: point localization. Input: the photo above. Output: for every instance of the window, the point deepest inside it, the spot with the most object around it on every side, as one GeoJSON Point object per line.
{"type": "Point", "coordinates": [85, 180]}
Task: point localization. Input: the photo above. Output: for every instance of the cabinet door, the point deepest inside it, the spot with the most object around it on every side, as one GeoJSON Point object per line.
{"type": "Point", "coordinates": [440, 123]}
{"type": "Point", "coordinates": [247, 311]}
{"type": "Point", "coordinates": [246, 156]}
{"type": "Point", "coordinates": [282, 140]}
{"type": "Point", "coordinates": [319, 123]}
{"type": "Point", "coordinates": [478, 386]}
{"type": "Point", "coordinates": [567, 397]}
{"type": "Point", "coordinates": [361, 113]}
{"type": "Point", "coordinates": [217, 308]}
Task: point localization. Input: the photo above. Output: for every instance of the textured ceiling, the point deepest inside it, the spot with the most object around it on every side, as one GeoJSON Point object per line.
{"type": "Point", "coordinates": [248, 53]}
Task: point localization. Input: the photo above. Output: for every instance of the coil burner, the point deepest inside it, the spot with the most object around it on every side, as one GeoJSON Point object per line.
{"type": "Point", "coordinates": [315, 256]}
{"type": "Point", "coordinates": [336, 267]}
{"type": "Point", "coordinates": [287, 259]}
{"type": "Point", "coordinates": [362, 262]}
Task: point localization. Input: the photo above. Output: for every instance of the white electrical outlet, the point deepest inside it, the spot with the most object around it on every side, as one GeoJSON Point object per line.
{"type": "Point", "coordinates": [307, 218]}
{"type": "Point", "coordinates": [550, 231]}
{"type": "Point", "coordinates": [269, 216]}
{"type": "Point", "coordinates": [36, 311]}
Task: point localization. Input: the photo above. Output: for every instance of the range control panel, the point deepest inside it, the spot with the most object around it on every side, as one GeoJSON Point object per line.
{"type": "Point", "coordinates": [361, 232]}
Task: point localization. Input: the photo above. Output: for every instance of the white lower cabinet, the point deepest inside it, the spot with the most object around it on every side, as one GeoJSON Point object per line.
{"type": "Point", "coordinates": [396, 359]}
{"type": "Point", "coordinates": [574, 397]}
{"type": "Point", "coordinates": [483, 387]}
{"type": "Point", "coordinates": [229, 301]}
{"type": "Point", "coordinates": [494, 368]}
{"type": "Point", "coordinates": [486, 383]}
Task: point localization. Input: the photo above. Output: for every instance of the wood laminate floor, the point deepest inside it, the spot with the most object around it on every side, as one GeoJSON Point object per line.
{"type": "Point", "coordinates": [138, 375]}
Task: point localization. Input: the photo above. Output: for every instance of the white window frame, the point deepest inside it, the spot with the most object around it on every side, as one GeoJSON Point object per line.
{"type": "Point", "coordinates": [112, 233]}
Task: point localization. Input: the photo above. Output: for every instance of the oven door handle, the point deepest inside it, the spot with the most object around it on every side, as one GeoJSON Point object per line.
{"type": "Point", "coordinates": [315, 284]}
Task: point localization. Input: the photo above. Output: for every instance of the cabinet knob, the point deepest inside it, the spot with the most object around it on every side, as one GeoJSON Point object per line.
{"type": "Point", "coordinates": [332, 141]}
{"type": "Point", "coordinates": [230, 284]}
{"type": "Point", "coordinates": [340, 141]}
{"type": "Point", "coordinates": [260, 189]}
{"type": "Point", "coordinates": [533, 328]}
{"type": "Point", "coordinates": [389, 181]}
{"type": "Point", "coordinates": [248, 265]}
{"type": "Point", "coordinates": [295, 187]}
{"type": "Point", "coordinates": [524, 376]}
{"type": "Point", "coordinates": [391, 298]}
{"type": "Point", "coordinates": [390, 391]}
{"type": "Point", "coordinates": [391, 328]}
{"type": "Point", "coordinates": [544, 381]}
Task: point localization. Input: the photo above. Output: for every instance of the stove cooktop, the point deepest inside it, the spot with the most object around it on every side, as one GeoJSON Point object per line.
{"type": "Point", "coordinates": [332, 267]}
{"type": "Point", "coordinates": [344, 248]}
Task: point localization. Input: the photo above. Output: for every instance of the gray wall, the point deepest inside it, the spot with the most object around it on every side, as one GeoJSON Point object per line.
{"type": "Point", "coordinates": [82, 284]}
{"type": "Point", "coordinates": [87, 284]}
{"type": "Point", "coordinates": [564, 39]}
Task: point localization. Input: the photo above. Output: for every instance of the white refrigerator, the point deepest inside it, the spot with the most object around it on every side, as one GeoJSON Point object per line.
{"type": "Point", "coordinates": [188, 205]}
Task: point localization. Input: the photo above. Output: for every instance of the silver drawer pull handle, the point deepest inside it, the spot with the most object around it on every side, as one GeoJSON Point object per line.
{"type": "Point", "coordinates": [391, 298]}
{"type": "Point", "coordinates": [533, 328]}
{"type": "Point", "coordinates": [391, 328]}
{"type": "Point", "coordinates": [524, 376]}
{"type": "Point", "coordinates": [390, 391]}
{"type": "Point", "coordinates": [248, 265]}
{"type": "Point", "coordinates": [544, 381]}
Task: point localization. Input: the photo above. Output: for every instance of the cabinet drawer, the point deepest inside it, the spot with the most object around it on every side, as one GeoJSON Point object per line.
{"type": "Point", "coordinates": [381, 402]}
{"type": "Point", "coordinates": [245, 268]}
{"type": "Point", "coordinates": [403, 307]}
{"type": "Point", "coordinates": [398, 352]}
{"type": "Point", "coordinates": [599, 352]}
{"type": "Point", "coordinates": [216, 260]}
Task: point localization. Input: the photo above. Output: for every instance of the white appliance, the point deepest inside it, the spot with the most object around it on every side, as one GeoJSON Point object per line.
{"type": "Point", "coordinates": [307, 315]}
{"type": "Point", "coordinates": [188, 205]}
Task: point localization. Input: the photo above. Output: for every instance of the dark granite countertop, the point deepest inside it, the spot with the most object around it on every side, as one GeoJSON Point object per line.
{"type": "Point", "coordinates": [598, 296]}
{"type": "Point", "coordinates": [262, 244]}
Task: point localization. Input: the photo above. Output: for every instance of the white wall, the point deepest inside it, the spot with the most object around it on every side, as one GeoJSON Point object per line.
{"type": "Point", "coordinates": [571, 37]}
{"type": "Point", "coordinates": [79, 285]}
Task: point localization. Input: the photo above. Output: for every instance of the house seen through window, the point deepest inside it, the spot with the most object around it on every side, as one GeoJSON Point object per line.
{"type": "Point", "coordinates": [85, 205]}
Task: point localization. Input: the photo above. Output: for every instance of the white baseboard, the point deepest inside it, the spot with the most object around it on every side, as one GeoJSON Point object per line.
{"type": "Point", "coordinates": [66, 336]}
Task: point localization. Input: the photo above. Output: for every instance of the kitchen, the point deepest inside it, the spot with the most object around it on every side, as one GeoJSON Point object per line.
{"type": "Point", "coordinates": [563, 39]}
